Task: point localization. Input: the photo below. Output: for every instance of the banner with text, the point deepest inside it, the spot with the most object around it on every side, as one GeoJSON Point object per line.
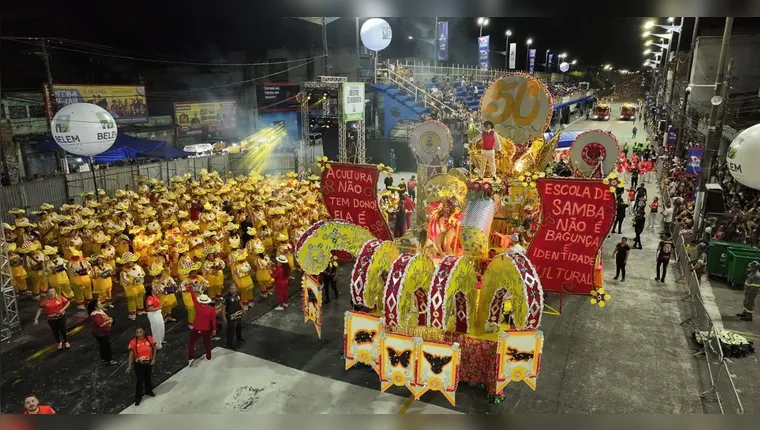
{"type": "Point", "coordinates": [125, 103]}
{"type": "Point", "coordinates": [532, 60]}
{"type": "Point", "coordinates": [443, 40]}
{"type": "Point", "coordinates": [277, 97]}
{"type": "Point", "coordinates": [576, 215]}
{"type": "Point", "coordinates": [549, 62]}
{"type": "Point", "coordinates": [353, 101]}
{"type": "Point", "coordinates": [483, 51]}
{"type": "Point", "coordinates": [512, 55]}
{"type": "Point", "coordinates": [694, 158]}
{"type": "Point", "coordinates": [350, 193]}
{"type": "Point", "coordinates": [672, 136]}
{"type": "Point", "coordinates": [194, 118]}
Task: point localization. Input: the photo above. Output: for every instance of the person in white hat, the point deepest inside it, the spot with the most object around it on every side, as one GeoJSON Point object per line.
{"type": "Point", "coordinates": [281, 279]}
{"type": "Point", "coordinates": [204, 325]}
{"type": "Point", "coordinates": [516, 247]}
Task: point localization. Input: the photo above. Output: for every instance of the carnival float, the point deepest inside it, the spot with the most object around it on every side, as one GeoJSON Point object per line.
{"type": "Point", "coordinates": [460, 297]}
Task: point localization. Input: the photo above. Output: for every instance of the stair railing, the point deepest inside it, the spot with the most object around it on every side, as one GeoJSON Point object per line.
{"type": "Point", "coordinates": [420, 94]}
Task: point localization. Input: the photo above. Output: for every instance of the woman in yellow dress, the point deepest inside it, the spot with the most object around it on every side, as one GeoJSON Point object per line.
{"type": "Point", "coordinates": [102, 279]}
{"type": "Point", "coordinates": [79, 277]}
{"type": "Point", "coordinates": [265, 235]}
{"type": "Point", "coordinates": [241, 276]}
{"type": "Point", "coordinates": [133, 281]}
{"type": "Point", "coordinates": [166, 290]}
{"type": "Point", "coordinates": [213, 271]}
{"type": "Point", "coordinates": [231, 235]}
{"type": "Point", "coordinates": [141, 243]}
{"type": "Point", "coordinates": [263, 266]}
{"type": "Point", "coordinates": [196, 248]}
{"type": "Point", "coordinates": [34, 262]}
{"type": "Point", "coordinates": [18, 272]}
{"type": "Point", "coordinates": [99, 240]}
{"type": "Point", "coordinates": [121, 244]}
{"type": "Point", "coordinates": [55, 270]}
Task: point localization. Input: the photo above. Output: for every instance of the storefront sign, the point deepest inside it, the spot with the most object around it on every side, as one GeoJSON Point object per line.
{"type": "Point", "coordinates": [350, 193]}
{"type": "Point", "coordinates": [576, 217]}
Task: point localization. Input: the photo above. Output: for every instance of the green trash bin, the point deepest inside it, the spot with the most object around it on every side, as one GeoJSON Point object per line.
{"type": "Point", "coordinates": [717, 256]}
{"type": "Point", "coordinates": [736, 267]}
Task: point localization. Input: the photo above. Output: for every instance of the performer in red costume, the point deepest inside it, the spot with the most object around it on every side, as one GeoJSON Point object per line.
{"type": "Point", "coordinates": [491, 145]}
{"type": "Point", "coordinates": [204, 325]}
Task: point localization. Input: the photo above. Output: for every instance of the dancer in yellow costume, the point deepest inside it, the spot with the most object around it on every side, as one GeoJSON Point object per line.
{"type": "Point", "coordinates": [284, 248]}
{"type": "Point", "coordinates": [241, 276]}
{"type": "Point", "coordinates": [166, 289]}
{"type": "Point", "coordinates": [99, 240]}
{"type": "Point", "coordinates": [196, 248]}
{"type": "Point", "coordinates": [121, 244]}
{"type": "Point", "coordinates": [133, 281]}
{"type": "Point", "coordinates": [34, 262]}
{"type": "Point", "coordinates": [141, 243]}
{"type": "Point", "coordinates": [193, 280]}
{"type": "Point", "coordinates": [263, 266]}
{"type": "Point", "coordinates": [55, 270]}
{"type": "Point", "coordinates": [102, 279]}
{"type": "Point", "coordinates": [79, 277]}
{"type": "Point", "coordinates": [18, 272]}
{"type": "Point", "coordinates": [213, 271]}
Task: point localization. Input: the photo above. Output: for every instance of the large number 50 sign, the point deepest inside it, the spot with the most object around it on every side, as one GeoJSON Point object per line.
{"type": "Point", "coordinates": [519, 106]}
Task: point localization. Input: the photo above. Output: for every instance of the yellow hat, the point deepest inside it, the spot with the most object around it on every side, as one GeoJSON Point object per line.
{"type": "Point", "coordinates": [11, 247]}
{"type": "Point", "coordinates": [258, 248]}
{"type": "Point", "coordinates": [95, 257]}
{"type": "Point", "coordinates": [182, 248]}
{"type": "Point", "coordinates": [188, 266]}
{"type": "Point", "coordinates": [23, 222]}
{"type": "Point", "coordinates": [209, 233]}
{"type": "Point", "coordinates": [231, 226]}
{"type": "Point", "coordinates": [46, 207]}
{"type": "Point", "coordinates": [17, 211]}
{"type": "Point", "coordinates": [50, 250]}
{"type": "Point", "coordinates": [156, 269]}
{"type": "Point", "coordinates": [101, 238]}
{"type": "Point", "coordinates": [208, 206]}
{"type": "Point", "coordinates": [8, 227]}
{"type": "Point", "coordinates": [182, 214]}
{"type": "Point", "coordinates": [211, 249]}
{"type": "Point", "coordinates": [75, 252]}
{"type": "Point", "coordinates": [239, 255]}
{"type": "Point", "coordinates": [282, 237]}
{"type": "Point", "coordinates": [28, 246]}
{"type": "Point", "coordinates": [137, 229]}
{"type": "Point", "coordinates": [313, 178]}
{"type": "Point", "coordinates": [128, 257]}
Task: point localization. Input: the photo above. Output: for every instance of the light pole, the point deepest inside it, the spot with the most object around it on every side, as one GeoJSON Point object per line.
{"type": "Point", "coordinates": [506, 50]}
{"type": "Point", "coordinates": [482, 22]}
{"type": "Point", "coordinates": [546, 62]}
{"type": "Point", "coordinates": [527, 54]}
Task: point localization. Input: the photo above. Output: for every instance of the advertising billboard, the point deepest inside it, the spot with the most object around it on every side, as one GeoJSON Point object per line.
{"type": "Point", "coordinates": [353, 101]}
{"type": "Point", "coordinates": [194, 118]}
{"type": "Point", "coordinates": [274, 96]}
{"type": "Point", "coordinates": [512, 55]}
{"type": "Point", "coordinates": [483, 48]}
{"type": "Point", "coordinates": [125, 103]}
{"type": "Point", "coordinates": [532, 56]}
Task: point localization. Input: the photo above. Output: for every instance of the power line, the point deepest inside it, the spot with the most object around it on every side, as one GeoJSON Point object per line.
{"type": "Point", "coordinates": [155, 60]}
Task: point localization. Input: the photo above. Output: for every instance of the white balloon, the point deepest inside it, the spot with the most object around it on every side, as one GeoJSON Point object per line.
{"type": "Point", "coordinates": [564, 67]}
{"type": "Point", "coordinates": [84, 129]}
{"type": "Point", "coordinates": [742, 157]}
{"type": "Point", "coordinates": [376, 34]}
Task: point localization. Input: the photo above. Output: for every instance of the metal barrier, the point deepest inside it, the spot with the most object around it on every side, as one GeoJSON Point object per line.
{"type": "Point", "coordinates": [57, 190]}
{"type": "Point", "coordinates": [699, 319]}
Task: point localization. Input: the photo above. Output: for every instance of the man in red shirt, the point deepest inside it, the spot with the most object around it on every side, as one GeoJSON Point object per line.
{"type": "Point", "coordinates": [412, 188]}
{"type": "Point", "coordinates": [204, 325]}
{"type": "Point", "coordinates": [409, 207]}
{"type": "Point", "coordinates": [32, 406]}
{"type": "Point", "coordinates": [491, 144]}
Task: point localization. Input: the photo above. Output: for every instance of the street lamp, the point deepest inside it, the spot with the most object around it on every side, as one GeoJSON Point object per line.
{"type": "Point", "coordinates": [574, 62]}
{"type": "Point", "coordinates": [645, 34]}
{"type": "Point", "coordinates": [482, 22]}
{"type": "Point", "coordinates": [671, 19]}
{"type": "Point", "coordinates": [527, 54]}
{"type": "Point", "coordinates": [647, 51]}
{"type": "Point", "coordinates": [506, 50]}
{"type": "Point", "coordinates": [410, 38]}
{"type": "Point", "coordinates": [647, 43]}
{"type": "Point", "coordinates": [649, 24]}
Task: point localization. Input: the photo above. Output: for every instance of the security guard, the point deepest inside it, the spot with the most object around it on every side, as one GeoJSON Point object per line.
{"type": "Point", "coordinates": [751, 287]}
{"type": "Point", "coordinates": [232, 315]}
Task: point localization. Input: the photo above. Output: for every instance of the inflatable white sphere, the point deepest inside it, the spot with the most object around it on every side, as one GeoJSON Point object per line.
{"type": "Point", "coordinates": [564, 67]}
{"type": "Point", "coordinates": [84, 129]}
{"type": "Point", "coordinates": [743, 155]}
{"type": "Point", "coordinates": [376, 34]}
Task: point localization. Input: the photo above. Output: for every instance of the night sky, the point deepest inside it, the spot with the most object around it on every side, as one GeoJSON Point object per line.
{"type": "Point", "coordinates": [207, 34]}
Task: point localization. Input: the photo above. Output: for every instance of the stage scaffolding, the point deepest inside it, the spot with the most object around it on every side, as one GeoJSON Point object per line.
{"type": "Point", "coordinates": [10, 317]}
{"type": "Point", "coordinates": [331, 88]}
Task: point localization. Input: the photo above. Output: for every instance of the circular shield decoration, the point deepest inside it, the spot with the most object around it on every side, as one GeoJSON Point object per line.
{"type": "Point", "coordinates": [431, 143]}
{"type": "Point", "coordinates": [593, 148]}
{"type": "Point", "coordinates": [519, 106]}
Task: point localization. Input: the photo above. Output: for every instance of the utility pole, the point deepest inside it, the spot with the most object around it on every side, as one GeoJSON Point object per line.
{"type": "Point", "coordinates": [682, 119]}
{"type": "Point", "coordinates": [711, 142]}
{"type": "Point", "coordinates": [325, 62]}
{"type": "Point", "coordinates": [722, 147]}
{"type": "Point", "coordinates": [358, 53]}
{"type": "Point", "coordinates": [669, 93]}
{"type": "Point", "coordinates": [436, 43]}
{"type": "Point", "coordinates": [46, 60]}
{"type": "Point", "coordinates": [2, 146]}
